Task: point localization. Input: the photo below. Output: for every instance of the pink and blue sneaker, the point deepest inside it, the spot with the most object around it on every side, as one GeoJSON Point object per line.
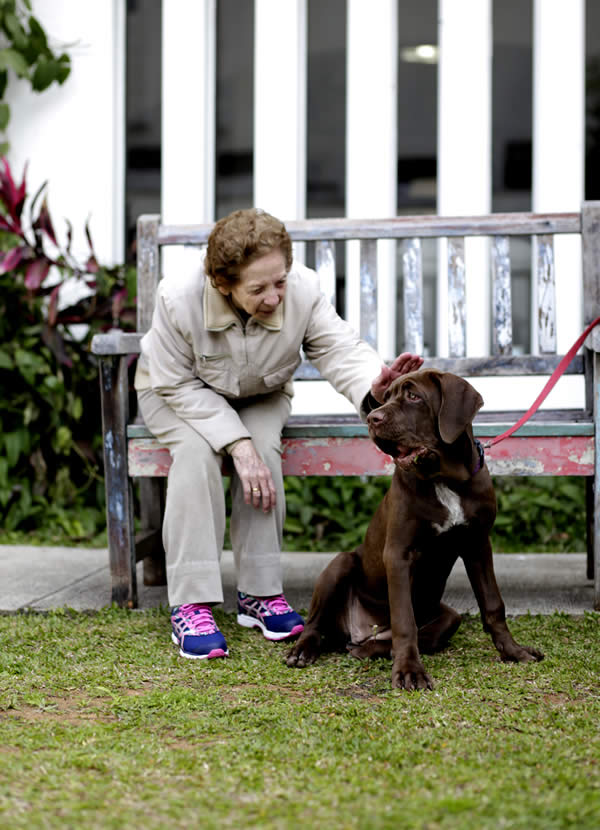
{"type": "Point", "coordinates": [273, 615]}
{"type": "Point", "coordinates": [196, 633]}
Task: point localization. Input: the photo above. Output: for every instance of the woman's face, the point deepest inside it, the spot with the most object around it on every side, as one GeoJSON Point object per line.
{"type": "Point", "coordinates": [261, 286]}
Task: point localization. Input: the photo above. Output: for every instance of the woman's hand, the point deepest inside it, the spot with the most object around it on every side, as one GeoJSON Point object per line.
{"type": "Point", "coordinates": [402, 365]}
{"type": "Point", "coordinates": [255, 476]}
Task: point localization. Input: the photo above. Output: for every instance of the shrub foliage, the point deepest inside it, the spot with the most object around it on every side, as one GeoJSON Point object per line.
{"type": "Point", "coordinates": [50, 424]}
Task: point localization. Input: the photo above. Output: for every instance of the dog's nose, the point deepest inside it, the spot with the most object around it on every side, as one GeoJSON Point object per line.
{"type": "Point", "coordinates": [376, 417]}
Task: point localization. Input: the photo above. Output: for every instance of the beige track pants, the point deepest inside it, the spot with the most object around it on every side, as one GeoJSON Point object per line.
{"type": "Point", "coordinates": [194, 521]}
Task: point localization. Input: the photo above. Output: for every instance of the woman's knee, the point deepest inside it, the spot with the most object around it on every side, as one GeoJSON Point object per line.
{"type": "Point", "coordinates": [271, 455]}
{"type": "Point", "coordinates": [190, 450]}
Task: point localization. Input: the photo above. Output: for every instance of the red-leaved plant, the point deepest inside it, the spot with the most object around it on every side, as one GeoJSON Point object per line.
{"type": "Point", "coordinates": [111, 304]}
{"type": "Point", "coordinates": [50, 425]}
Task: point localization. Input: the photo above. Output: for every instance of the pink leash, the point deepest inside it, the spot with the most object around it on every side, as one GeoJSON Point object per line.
{"type": "Point", "coordinates": [548, 387]}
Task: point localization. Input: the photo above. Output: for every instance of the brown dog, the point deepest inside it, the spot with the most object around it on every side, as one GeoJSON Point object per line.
{"type": "Point", "coordinates": [386, 597]}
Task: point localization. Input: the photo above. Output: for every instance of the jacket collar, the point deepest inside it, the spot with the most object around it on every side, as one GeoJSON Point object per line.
{"type": "Point", "coordinates": [219, 314]}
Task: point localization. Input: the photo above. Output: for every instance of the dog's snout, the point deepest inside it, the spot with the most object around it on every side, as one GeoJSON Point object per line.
{"type": "Point", "coordinates": [376, 417]}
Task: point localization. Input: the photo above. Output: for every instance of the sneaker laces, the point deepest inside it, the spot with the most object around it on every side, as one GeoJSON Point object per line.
{"type": "Point", "coordinates": [199, 617]}
{"type": "Point", "coordinates": [277, 605]}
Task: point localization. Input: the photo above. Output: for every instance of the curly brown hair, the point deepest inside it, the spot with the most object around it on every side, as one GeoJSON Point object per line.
{"type": "Point", "coordinates": [241, 237]}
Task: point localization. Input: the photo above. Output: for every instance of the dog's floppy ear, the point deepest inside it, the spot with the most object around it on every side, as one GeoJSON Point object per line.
{"type": "Point", "coordinates": [460, 403]}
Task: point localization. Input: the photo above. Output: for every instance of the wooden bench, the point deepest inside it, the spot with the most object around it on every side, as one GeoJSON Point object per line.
{"type": "Point", "coordinates": [552, 443]}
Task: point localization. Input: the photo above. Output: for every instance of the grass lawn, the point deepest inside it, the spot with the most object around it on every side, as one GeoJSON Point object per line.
{"type": "Point", "coordinates": [102, 725]}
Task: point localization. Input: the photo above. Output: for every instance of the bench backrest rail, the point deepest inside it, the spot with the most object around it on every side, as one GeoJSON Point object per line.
{"type": "Point", "coordinates": [121, 343]}
{"type": "Point", "coordinates": [409, 231]}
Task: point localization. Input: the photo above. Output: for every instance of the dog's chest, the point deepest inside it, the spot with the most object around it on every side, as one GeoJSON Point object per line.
{"type": "Point", "coordinates": [455, 515]}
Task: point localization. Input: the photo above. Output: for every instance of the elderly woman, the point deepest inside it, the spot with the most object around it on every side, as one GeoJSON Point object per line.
{"type": "Point", "coordinates": [215, 379]}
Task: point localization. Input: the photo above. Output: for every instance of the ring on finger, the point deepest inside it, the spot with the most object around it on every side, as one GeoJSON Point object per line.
{"type": "Point", "coordinates": [256, 489]}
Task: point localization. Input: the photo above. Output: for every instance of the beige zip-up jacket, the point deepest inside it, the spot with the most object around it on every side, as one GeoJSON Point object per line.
{"type": "Point", "coordinates": [198, 355]}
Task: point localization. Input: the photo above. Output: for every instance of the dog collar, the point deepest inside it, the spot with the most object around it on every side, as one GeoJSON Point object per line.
{"type": "Point", "coordinates": [481, 454]}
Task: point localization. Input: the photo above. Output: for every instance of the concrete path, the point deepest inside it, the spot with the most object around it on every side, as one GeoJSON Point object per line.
{"type": "Point", "coordinates": [42, 578]}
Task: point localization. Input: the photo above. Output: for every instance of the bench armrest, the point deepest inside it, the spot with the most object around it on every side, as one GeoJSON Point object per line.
{"type": "Point", "coordinates": [115, 343]}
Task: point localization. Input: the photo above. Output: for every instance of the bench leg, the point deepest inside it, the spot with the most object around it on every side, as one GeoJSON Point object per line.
{"type": "Point", "coordinates": [596, 558]}
{"type": "Point", "coordinates": [152, 508]}
{"type": "Point", "coordinates": [589, 524]}
{"type": "Point", "coordinates": [114, 388]}
{"type": "Point", "coordinates": [596, 498]}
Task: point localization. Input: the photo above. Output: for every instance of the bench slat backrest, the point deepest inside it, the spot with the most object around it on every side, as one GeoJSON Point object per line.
{"type": "Point", "coordinates": [502, 296]}
{"type": "Point", "coordinates": [325, 267]}
{"type": "Point", "coordinates": [590, 244]}
{"type": "Point", "coordinates": [412, 290]}
{"type": "Point", "coordinates": [368, 291]}
{"type": "Point", "coordinates": [546, 289]}
{"type": "Point", "coordinates": [324, 233]}
{"type": "Point", "coordinates": [457, 297]}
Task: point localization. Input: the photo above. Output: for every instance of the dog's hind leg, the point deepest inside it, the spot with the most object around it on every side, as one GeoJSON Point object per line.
{"type": "Point", "coordinates": [435, 634]}
{"type": "Point", "coordinates": [327, 617]}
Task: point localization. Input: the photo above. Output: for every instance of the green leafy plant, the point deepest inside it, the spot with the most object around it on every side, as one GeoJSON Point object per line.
{"type": "Point", "coordinates": [540, 513]}
{"type": "Point", "coordinates": [534, 514]}
{"type": "Point", "coordinates": [26, 53]}
{"type": "Point", "coordinates": [50, 425]}
{"type": "Point", "coordinates": [330, 513]}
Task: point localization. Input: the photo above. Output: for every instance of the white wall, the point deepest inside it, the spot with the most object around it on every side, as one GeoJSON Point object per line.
{"type": "Point", "coordinates": [188, 129]}
{"type": "Point", "coordinates": [72, 135]}
{"type": "Point", "coordinates": [465, 152]}
{"type": "Point", "coordinates": [280, 107]}
{"type": "Point", "coordinates": [559, 144]}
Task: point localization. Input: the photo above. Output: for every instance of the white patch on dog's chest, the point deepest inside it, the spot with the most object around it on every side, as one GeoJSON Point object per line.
{"type": "Point", "coordinates": [451, 501]}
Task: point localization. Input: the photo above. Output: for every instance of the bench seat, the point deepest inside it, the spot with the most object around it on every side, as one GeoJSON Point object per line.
{"type": "Point", "coordinates": [340, 445]}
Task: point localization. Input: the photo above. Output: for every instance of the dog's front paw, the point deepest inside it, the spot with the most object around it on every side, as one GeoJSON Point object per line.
{"type": "Point", "coordinates": [410, 676]}
{"type": "Point", "coordinates": [305, 652]}
{"type": "Point", "coordinates": [514, 653]}
{"type": "Point", "coordinates": [370, 649]}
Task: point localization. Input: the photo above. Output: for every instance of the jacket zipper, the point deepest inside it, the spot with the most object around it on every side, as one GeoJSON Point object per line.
{"type": "Point", "coordinates": [206, 358]}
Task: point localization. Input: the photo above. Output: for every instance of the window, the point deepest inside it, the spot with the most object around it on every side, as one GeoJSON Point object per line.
{"type": "Point", "coordinates": [143, 114]}
{"type": "Point", "coordinates": [592, 101]}
{"type": "Point", "coordinates": [235, 105]}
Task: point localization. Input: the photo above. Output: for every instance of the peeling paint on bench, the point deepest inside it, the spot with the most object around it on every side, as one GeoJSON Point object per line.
{"type": "Point", "coordinates": [536, 456]}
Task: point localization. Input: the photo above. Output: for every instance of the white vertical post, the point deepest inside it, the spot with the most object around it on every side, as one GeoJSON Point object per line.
{"type": "Point", "coordinates": [464, 153]}
{"type": "Point", "coordinates": [280, 54]}
{"type": "Point", "coordinates": [188, 120]}
{"type": "Point", "coordinates": [371, 149]}
{"type": "Point", "coordinates": [84, 166]}
{"type": "Point", "coordinates": [119, 120]}
{"type": "Point", "coordinates": [559, 143]}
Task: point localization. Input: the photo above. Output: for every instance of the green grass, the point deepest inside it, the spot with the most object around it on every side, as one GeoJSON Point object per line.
{"type": "Point", "coordinates": [102, 725]}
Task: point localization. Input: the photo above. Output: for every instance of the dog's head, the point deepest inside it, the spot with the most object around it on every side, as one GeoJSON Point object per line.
{"type": "Point", "coordinates": [425, 424]}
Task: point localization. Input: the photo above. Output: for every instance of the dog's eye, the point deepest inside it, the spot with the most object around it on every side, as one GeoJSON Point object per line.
{"type": "Point", "coordinates": [411, 396]}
